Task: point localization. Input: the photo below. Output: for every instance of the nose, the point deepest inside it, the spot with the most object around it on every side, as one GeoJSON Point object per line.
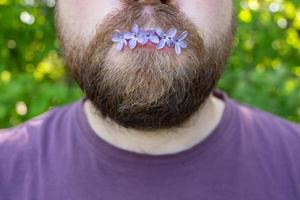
{"type": "Point", "coordinates": [153, 2]}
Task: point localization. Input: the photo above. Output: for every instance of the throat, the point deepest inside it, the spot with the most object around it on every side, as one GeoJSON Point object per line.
{"type": "Point", "coordinates": [160, 142]}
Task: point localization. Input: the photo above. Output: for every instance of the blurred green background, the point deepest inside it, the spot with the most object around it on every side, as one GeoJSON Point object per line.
{"type": "Point", "coordinates": [264, 70]}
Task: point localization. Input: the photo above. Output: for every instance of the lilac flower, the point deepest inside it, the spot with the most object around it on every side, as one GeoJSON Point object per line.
{"type": "Point", "coordinates": [118, 38]}
{"type": "Point", "coordinates": [166, 38]}
{"type": "Point", "coordinates": [156, 36]}
{"type": "Point", "coordinates": [150, 35]}
{"type": "Point", "coordinates": [180, 43]}
{"type": "Point", "coordinates": [134, 37]}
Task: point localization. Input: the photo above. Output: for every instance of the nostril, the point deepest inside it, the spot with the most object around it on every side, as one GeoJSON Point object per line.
{"type": "Point", "coordinates": [154, 1]}
{"type": "Point", "coordinates": [165, 1]}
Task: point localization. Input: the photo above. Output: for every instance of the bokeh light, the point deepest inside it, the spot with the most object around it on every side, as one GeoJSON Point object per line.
{"type": "Point", "coordinates": [264, 70]}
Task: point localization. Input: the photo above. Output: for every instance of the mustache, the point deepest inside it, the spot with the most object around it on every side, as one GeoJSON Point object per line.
{"type": "Point", "coordinates": [161, 16]}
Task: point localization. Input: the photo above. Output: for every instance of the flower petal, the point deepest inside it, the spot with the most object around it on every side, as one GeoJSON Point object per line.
{"type": "Point", "coordinates": [120, 45]}
{"type": "Point", "coordinates": [183, 44]}
{"type": "Point", "coordinates": [171, 32]}
{"type": "Point", "coordinates": [170, 43]}
{"type": "Point", "coordinates": [132, 43]}
{"type": "Point", "coordinates": [142, 31]}
{"type": "Point", "coordinates": [154, 39]}
{"type": "Point", "coordinates": [135, 28]}
{"type": "Point", "coordinates": [159, 32]}
{"type": "Point", "coordinates": [116, 38]}
{"type": "Point", "coordinates": [127, 35]}
{"type": "Point", "coordinates": [177, 49]}
{"type": "Point", "coordinates": [183, 35]}
{"type": "Point", "coordinates": [141, 38]}
{"type": "Point", "coordinates": [146, 40]}
{"type": "Point", "coordinates": [161, 44]}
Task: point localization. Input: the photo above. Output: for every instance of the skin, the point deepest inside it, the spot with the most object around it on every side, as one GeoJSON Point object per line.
{"type": "Point", "coordinates": [212, 18]}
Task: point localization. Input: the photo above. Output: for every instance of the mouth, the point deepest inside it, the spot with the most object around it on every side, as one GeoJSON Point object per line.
{"type": "Point", "coordinates": [152, 46]}
{"type": "Point", "coordinates": [152, 38]}
{"type": "Point", "coordinates": [149, 46]}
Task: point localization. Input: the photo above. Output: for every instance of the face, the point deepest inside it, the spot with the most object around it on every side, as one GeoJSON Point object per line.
{"type": "Point", "coordinates": [145, 88]}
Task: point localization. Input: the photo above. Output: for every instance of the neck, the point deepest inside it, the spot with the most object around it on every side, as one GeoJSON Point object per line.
{"type": "Point", "coordinates": [160, 142]}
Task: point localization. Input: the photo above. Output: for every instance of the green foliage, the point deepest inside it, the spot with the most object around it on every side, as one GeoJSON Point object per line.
{"type": "Point", "coordinates": [264, 70]}
{"type": "Point", "coordinates": [32, 75]}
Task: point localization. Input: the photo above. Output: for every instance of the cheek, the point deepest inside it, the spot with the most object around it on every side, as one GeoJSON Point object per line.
{"type": "Point", "coordinates": [212, 17]}
{"type": "Point", "coordinates": [81, 18]}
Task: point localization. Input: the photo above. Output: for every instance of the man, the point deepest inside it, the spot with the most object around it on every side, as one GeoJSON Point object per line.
{"type": "Point", "coordinates": [152, 125]}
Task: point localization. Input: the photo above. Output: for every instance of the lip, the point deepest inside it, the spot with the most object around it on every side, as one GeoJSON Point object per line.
{"type": "Point", "coordinates": [152, 46]}
{"type": "Point", "coordinates": [149, 45]}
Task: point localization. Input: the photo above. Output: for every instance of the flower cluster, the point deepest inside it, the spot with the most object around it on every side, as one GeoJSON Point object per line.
{"type": "Point", "coordinates": [155, 36]}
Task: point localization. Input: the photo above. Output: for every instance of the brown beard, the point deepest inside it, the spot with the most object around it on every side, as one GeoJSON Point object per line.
{"type": "Point", "coordinates": [147, 89]}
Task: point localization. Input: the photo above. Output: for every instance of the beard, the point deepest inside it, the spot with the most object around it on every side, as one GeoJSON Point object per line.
{"type": "Point", "coordinates": [146, 89]}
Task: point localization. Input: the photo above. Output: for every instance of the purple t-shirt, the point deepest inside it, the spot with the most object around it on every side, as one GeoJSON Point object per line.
{"type": "Point", "coordinates": [57, 156]}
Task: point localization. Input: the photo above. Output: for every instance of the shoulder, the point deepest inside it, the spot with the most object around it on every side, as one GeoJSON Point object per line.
{"type": "Point", "coordinates": [271, 137]}
{"type": "Point", "coordinates": [25, 137]}
{"type": "Point", "coordinates": [262, 121]}
{"type": "Point", "coordinates": [26, 148]}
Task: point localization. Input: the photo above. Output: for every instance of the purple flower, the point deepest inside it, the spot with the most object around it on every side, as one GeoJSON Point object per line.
{"type": "Point", "coordinates": [150, 35]}
{"type": "Point", "coordinates": [180, 43]}
{"type": "Point", "coordinates": [134, 37]}
{"type": "Point", "coordinates": [166, 38]}
{"type": "Point", "coordinates": [156, 36]}
{"type": "Point", "coordinates": [118, 38]}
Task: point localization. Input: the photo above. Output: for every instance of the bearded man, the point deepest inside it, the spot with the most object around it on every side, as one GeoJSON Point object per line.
{"type": "Point", "coordinates": [152, 124]}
